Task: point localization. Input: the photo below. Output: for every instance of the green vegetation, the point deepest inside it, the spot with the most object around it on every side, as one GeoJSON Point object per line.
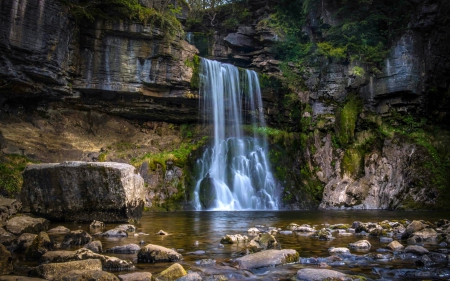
{"type": "Point", "coordinates": [194, 63]}
{"type": "Point", "coordinates": [352, 163]}
{"type": "Point", "coordinates": [11, 168]}
{"type": "Point", "coordinates": [346, 119]}
{"type": "Point", "coordinates": [160, 14]}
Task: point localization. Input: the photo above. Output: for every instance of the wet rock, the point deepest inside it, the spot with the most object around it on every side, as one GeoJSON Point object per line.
{"type": "Point", "coordinates": [395, 246]}
{"type": "Point", "coordinates": [115, 232]}
{"type": "Point", "coordinates": [340, 250]}
{"type": "Point", "coordinates": [97, 224]}
{"type": "Point", "coordinates": [379, 256]}
{"type": "Point", "coordinates": [52, 271]}
{"type": "Point", "coordinates": [87, 275]}
{"type": "Point", "coordinates": [292, 226]}
{"type": "Point", "coordinates": [161, 232]}
{"type": "Point", "coordinates": [26, 224]}
{"type": "Point", "coordinates": [424, 235]}
{"type": "Point", "coordinates": [127, 227]}
{"type": "Point", "coordinates": [40, 245]}
{"type": "Point", "coordinates": [266, 258]}
{"type": "Point", "coordinates": [108, 263]}
{"type": "Point", "coordinates": [83, 191]}
{"type": "Point", "coordinates": [19, 278]}
{"type": "Point", "coordinates": [264, 241]}
{"type": "Point", "coordinates": [253, 231]}
{"type": "Point", "coordinates": [205, 262]}
{"type": "Point", "coordinates": [125, 249]}
{"type": "Point", "coordinates": [323, 235]}
{"type": "Point", "coordinates": [172, 273]}
{"type": "Point", "coordinates": [414, 249]}
{"type": "Point", "coordinates": [199, 252]}
{"type": "Point", "coordinates": [95, 246]}
{"type": "Point", "coordinates": [193, 276]}
{"type": "Point", "coordinates": [155, 253]}
{"type": "Point", "coordinates": [443, 222]}
{"type": "Point", "coordinates": [340, 226]}
{"type": "Point", "coordinates": [136, 276]}
{"type": "Point", "coordinates": [24, 241]}
{"type": "Point", "coordinates": [8, 239]}
{"type": "Point", "coordinates": [304, 229]}
{"type": "Point", "coordinates": [311, 274]}
{"type": "Point", "coordinates": [360, 245]}
{"type": "Point", "coordinates": [8, 208]}
{"type": "Point", "coordinates": [233, 239]}
{"type": "Point", "coordinates": [414, 226]}
{"type": "Point", "coordinates": [6, 266]}
{"type": "Point", "coordinates": [386, 239]}
{"type": "Point", "coordinates": [286, 232]}
{"type": "Point", "coordinates": [77, 237]}
{"type": "Point", "coordinates": [58, 230]}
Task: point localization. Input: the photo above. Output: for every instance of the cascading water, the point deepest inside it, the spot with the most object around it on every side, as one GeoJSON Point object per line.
{"type": "Point", "coordinates": [234, 173]}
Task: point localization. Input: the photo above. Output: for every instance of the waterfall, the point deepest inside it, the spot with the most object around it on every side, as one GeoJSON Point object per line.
{"type": "Point", "coordinates": [233, 173]}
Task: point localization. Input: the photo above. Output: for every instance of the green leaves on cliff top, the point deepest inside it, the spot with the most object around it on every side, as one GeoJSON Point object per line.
{"type": "Point", "coordinates": [160, 14]}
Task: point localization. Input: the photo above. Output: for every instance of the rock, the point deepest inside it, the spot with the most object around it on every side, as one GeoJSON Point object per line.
{"type": "Point", "coordinates": [312, 274]}
{"type": "Point", "coordinates": [8, 208]}
{"type": "Point", "coordinates": [6, 266]}
{"type": "Point", "coordinates": [264, 241]}
{"type": "Point", "coordinates": [233, 239]}
{"type": "Point", "coordinates": [360, 245]}
{"type": "Point", "coordinates": [40, 245]}
{"type": "Point", "coordinates": [239, 40]}
{"type": "Point", "coordinates": [126, 227]}
{"type": "Point", "coordinates": [286, 232]}
{"type": "Point", "coordinates": [205, 262]}
{"type": "Point", "coordinates": [155, 253]}
{"type": "Point", "coordinates": [303, 228]}
{"type": "Point", "coordinates": [97, 224]}
{"type": "Point", "coordinates": [192, 276]}
{"type": "Point", "coordinates": [418, 250]}
{"type": "Point", "coordinates": [115, 232]}
{"type": "Point", "coordinates": [413, 227]}
{"type": "Point", "coordinates": [77, 237]}
{"type": "Point", "coordinates": [340, 226]}
{"type": "Point", "coordinates": [386, 239]}
{"type": "Point", "coordinates": [26, 224]}
{"type": "Point", "coordinates": [125, 249]}
{"type": "Point", "coordinates": [172, 273]}
{"type": "Point", "coordinates": [340, 250]}
{"type": "Point", "coordinates": [95, 246]}
{"type": "Point", "coordinates": [108, 263]}
{"type": "Point", "coordinates": [443, 222]}
{"type": "Point", "coordinates": [266, 258]}
{"type": "Point", "coordinates": [58, 230]}
{"type": "Point", "coordinates": [136, 276]}
{"type": "Point", "coordinates": [253, 231]}
{"type": "Point", "coordinates": [161, 232]}
{"type": "Point", "coordinates": [51, 271]}
{"type": "Point", "coordinates": [24, 241]}
{"type": "Point", "coordinates": [83, 191]}
{"type": "Point", "coordinates": [19, 278]}
{"type": "Point", "coordinates": [424, 235]}
{"type": "Point", "coordinates": [323, 234]}
{"type": "Point", "coordinates": [292, 226]}
{"type": "Point", "coordinates": [87, 275]}
{"type": "Point", "coordinates": [395, 246]}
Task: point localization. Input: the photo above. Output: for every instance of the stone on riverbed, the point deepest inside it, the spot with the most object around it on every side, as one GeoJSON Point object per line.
{"type": "Point", "coordinates": [125, 249]}
{"type": "Point", "coordinates": [52, 271]}
{"type": "Point", "coordinates": [264, 241]}
{"type": "Point", "coordinates": [58, 230]}
{"type": "Point", "coordinates": [155, 253]}
{"type": "Point", "coordinates": [339, 250]}
{"type": "Point", "coordinates": [395, 246]}
{"type": "Point", "coordinates": [233, 239]}
{"type": "Point", "coordinates": [266, 258]}
{"type": "Point", "coordinates": [136, 276]}
{"type": "Point", "coordinates": [87, 275]}
{"type": "Point", "coordinates": [6, 266]}
{"type": "Point", "coordinates": [76, 237]}
{"type": "Point", "coordinates": [108, 263]}
{"type": "Point", "coordinates": [19, 278]}
{"type": "Point", "coordinates": [172, 273]}
{"type": "Point", "coordinates": [40, 245]}
{"type": "Point", "coordinates": [8, 208]}
{"type": "Point", "coordinates": [97, 224]}
{"type": "Point", "coordinates": [24, 241]}
{"type": "Point", "coordinates": [312, 274]}
{"type": "Point", "coordinates": [115, 232]}
{"type": "Point", "coordinates": [360, 245]}
{"type": "Point", "coordinates": [95, 246]}
{"type": "Point", "coordinates": [424, 235]}
{"type": "Point", "coordinates": [192, 276]}
{"type": "Point", "coordinates": [418, 250]}
{"type": "Point", "coordinates": [26, 224]}
{"type": "Point", "coordinates": [83, 191]}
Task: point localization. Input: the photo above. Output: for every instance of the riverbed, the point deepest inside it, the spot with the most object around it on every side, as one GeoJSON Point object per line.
{"type": "Point", "coordinates": [196, 235]}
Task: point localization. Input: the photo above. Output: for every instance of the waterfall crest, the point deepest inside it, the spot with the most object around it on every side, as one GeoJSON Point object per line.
{"type": "Point", "coordinates": [234, 173]}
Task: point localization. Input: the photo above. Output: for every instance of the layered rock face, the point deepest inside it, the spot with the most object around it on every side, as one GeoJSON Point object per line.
{"type": "Point", "coordinates": [83, 191]}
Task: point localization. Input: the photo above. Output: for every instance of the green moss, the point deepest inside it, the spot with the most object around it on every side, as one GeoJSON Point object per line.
{"type": "Point", "coordinates": [352, 162]}
{"type": "Point", "coordinates": [346, 119]}
{"type": "Point", "coordinates": [102, 156]}
{"type": "Point", "coordinates": [194, 63]}
{"type": "Point", "coordinates": [11, 169]}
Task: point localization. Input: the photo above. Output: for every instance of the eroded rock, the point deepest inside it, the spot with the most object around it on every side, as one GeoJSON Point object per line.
{"type": "Point", "coordinates": [155, 253]}
{"type": "Point", "coordinates": [87, 275]}
{"type": "Point", "coordinates": [172, 273]}
{"type": "Point", "coordinates": [266, 258]}
{"type": "Point", "coordinates": [6, 266]}
{"type": "Point", "coordinates": [136, 276]}
{"type": "Point", "coordinates": [26, 224]}
{"type": "Point", "coordinates": [76, 237]}
{"type": "Point", "coordinates": [52, 271]}
{"type": "Point", "coordinates": [125, 249]}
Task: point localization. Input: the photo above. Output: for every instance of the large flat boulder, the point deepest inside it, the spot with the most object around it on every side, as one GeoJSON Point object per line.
{"type": "Point", "coordinates": [155, 253]}
{"type": "Point", "coordinates": [266, 258]}
{"type": "Point", "coordinates": [52, 271]}
{"type": "Point", "coordinates": [83, 191]}
{"type": "Point", "coordinates": [26, 224]}
{"type": "Point", "coordinates": [8, 208]}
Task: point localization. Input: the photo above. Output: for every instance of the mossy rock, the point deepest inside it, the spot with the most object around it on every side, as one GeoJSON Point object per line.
{"type": "Point", "coordinates": [207, 192]}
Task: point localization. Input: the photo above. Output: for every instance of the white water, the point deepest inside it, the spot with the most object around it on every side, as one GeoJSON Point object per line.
{"type": "Point", "coordinates": [234, 173]}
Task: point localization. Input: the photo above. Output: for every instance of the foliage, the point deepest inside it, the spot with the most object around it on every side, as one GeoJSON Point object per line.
{"type": "Point", "coordinates": [346, 119]}
{"type": "Point", "coordinates": [160, 14]}
{"type": "Point", "coordinates": [358, 71]}
{"type": "Point", "coordinates": [11, 170]}
{"type": "Point", "coordinates": [352, 162]}
{"type": "Point", "coordinates": [194, 63]}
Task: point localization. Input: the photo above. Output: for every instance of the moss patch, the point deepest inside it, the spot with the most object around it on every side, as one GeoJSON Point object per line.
{"type": "Point", "coordinates": [11, 168]}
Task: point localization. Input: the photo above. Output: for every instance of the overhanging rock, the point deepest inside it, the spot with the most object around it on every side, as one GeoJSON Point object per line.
{"type": "Point", "coordinates": [83, 191]}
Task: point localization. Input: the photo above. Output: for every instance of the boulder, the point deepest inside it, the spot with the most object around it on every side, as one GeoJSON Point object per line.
{"type": "Point", "coordinates": [115, 232]}
{"type": "Point", "coordinates": [26, 224]}
{"type": "Point", "coordinates": [136, 276]}
{"type": "Point", "coordinates": [172, 273]}
{"type": "Point", "coordinates": [97, 224]}
{"type": "Point", "coordinates": [7, 238]}
{"type": "Point", "coordinates": [418, 250]}
{"type": "Point", "coordinates": [6, 266]}
{"type": "Point", "coordinates": [253, 231]}
{"type": "Point", "coordinates": [266, 258]}
{"type": "Point", "coordinates": [424, 235]}
{"type": "Point", "coordinates": [108, 263]}
{"type": "Point", "coordinates": [395, 246]}
{"type": "Point", "coordinates": [40, 245]}
{"type": "Point", "coordinates": [155, 253]}
{"type": "Point", "coordinates": [323, 234]}
{"type": "Point", "coordinates": [94, 246]}
{"type": "Point", "coordinates": [8, 208]}
{"type": "Point", "coordinates": [312, 274]}
{"type": "Point", "coordinates": [340, 250]}
{"type": "Point", "coordinates": [76, 237]}
{"type": "Point", "coordinates": [360, 245]}
{"type": "Point", "coordinates": [264, 241]}
{"type": "Point", "coordinates": [51, 271]}
{"type": "Point", "coordinates": [24, 241]}
{"type": "Point", "coordinates": [127, 227]}
{"type": "Point", "coordinates": [193, 276]}
{"type": "Point", "coordinates": [19, 278]}
{"type": "Point", "coordinates": [87, 275]}
{"type": "Point", "coordinates": [125, 249]}
{"type": "Point", "coordinates": [59, 230]}
{"type": "Point", "coordinates": [83, 191]}
{"type": "Point", "coordinates": [413, 227]}
{"type": "Point", "coordinates": [233, 239]}
{"type": "Point", "coordinates": [161, 232]}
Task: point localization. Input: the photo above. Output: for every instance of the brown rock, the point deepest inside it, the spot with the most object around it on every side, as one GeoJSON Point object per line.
{"type": "Point", "coordinates": [52, 271]}
{"type": "Point", "coordinates": [266, 258]}
{"type": "Point", "coordinates": [77, 237]}
{"type": "Point", "coordinates": [172, 273]}
{"type": "Point", "coordinates": [395, 246]}
{"type": "Point", "coordinates": [41, 245]}
{"type": "Point", "coordinates": [6, 266]}
{"type": "Point", "coordinates": [87, 275]}
{"type": "Point", "coordinates": [155, 253]}
{"type": "Point", "coordinates": [136, 276]}
{"type": "Point", "coordinates": [26, 224]}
